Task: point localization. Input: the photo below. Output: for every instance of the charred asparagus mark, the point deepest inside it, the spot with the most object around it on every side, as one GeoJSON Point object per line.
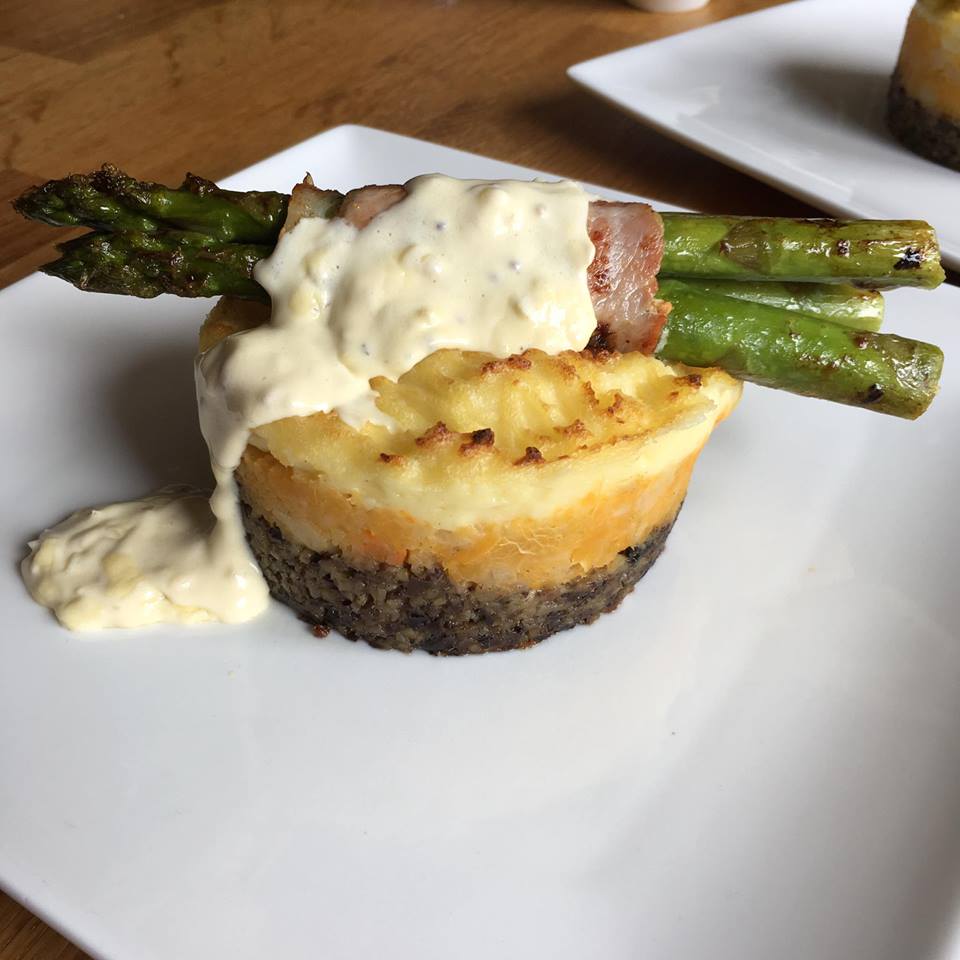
{"type": "Point", "coordinates": [912, 259]}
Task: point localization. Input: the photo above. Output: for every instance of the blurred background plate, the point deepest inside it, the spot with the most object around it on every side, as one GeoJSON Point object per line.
{"type": "Point", "coordinates": [794, 95]}
{"type": "Point", "coordinates": [754, 757]}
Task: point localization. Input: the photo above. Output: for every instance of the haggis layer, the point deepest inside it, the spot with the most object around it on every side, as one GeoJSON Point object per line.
{"type": "Point", "coordinates": [404, 607]}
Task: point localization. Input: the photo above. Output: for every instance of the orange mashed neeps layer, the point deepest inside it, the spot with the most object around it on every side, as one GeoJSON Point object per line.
{"type": "Point", "coordinates": [533, 552]}
{"type": "Point", "coordinates": [522, 472]}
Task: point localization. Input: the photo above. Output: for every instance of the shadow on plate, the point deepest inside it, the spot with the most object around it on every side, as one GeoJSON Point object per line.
{"type": "Point", "coordinates": [152, 402]}
{"type": "Point", "coordinates": [602, 138]}
{"type": "Point", "coordinates": [844, 94]}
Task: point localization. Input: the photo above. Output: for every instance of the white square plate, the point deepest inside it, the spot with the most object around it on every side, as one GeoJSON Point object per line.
{"type": "Point", "coordinates": [755, 757]}
{"type": "Point", "coordinates": [795, 96]}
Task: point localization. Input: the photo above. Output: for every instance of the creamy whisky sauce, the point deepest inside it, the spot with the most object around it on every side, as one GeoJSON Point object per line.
{"type": "Point", "coordinates": [145, 561]}
{"type": "Point", "coordinates": [497, 267]}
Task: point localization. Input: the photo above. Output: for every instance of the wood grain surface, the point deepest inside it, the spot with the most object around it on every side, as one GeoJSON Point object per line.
{"type": "Point", "coordinates": [160, 87]}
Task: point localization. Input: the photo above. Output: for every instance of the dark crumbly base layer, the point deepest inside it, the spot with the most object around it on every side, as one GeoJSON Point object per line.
{"type": "Point", "coordinates": [932, 135]}
{"type": "Point", "coordinates": [409, 608]}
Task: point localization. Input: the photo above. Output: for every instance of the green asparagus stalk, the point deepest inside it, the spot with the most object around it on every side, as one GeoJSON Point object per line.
{"type": "Point", "coordinates": [870, 252]}
{"type": "Point", "coordinates": [840, 302]}
{"type": "Point", "coordinates": [110, 200]}
{"type": "Point", "coordinates": [148, 264]}
{"type": "Point", "coordinates": [800, 354]}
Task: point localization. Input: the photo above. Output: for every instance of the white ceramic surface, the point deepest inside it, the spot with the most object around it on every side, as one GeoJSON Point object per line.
{"type": "Point", "coordinates": [755, 757]}
{"type": "Point", "coordinates": [794, 95]}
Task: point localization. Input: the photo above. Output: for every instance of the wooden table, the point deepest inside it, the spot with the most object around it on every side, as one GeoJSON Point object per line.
{"type": "Point", "coordinates": [209, 86]}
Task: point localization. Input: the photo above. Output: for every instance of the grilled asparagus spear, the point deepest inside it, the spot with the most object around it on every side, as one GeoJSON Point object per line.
{"type": "Point", "coordinates": [146, 264]}
{"type": "Point", "coordinates": [876, 253]}
{"type": "Point", "coordinates": [800, 354]}
{"type": "Point", "coordinates": [840, 302]}
{"type": "Point", "coordinates": [110, 200]}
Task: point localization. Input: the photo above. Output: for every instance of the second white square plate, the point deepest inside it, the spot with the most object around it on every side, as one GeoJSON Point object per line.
{"type": "Point", "coordinates": [796, 97]}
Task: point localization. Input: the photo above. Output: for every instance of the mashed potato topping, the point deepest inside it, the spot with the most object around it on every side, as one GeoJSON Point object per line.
{"type": "Point", "coordinates": [485, 440]}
